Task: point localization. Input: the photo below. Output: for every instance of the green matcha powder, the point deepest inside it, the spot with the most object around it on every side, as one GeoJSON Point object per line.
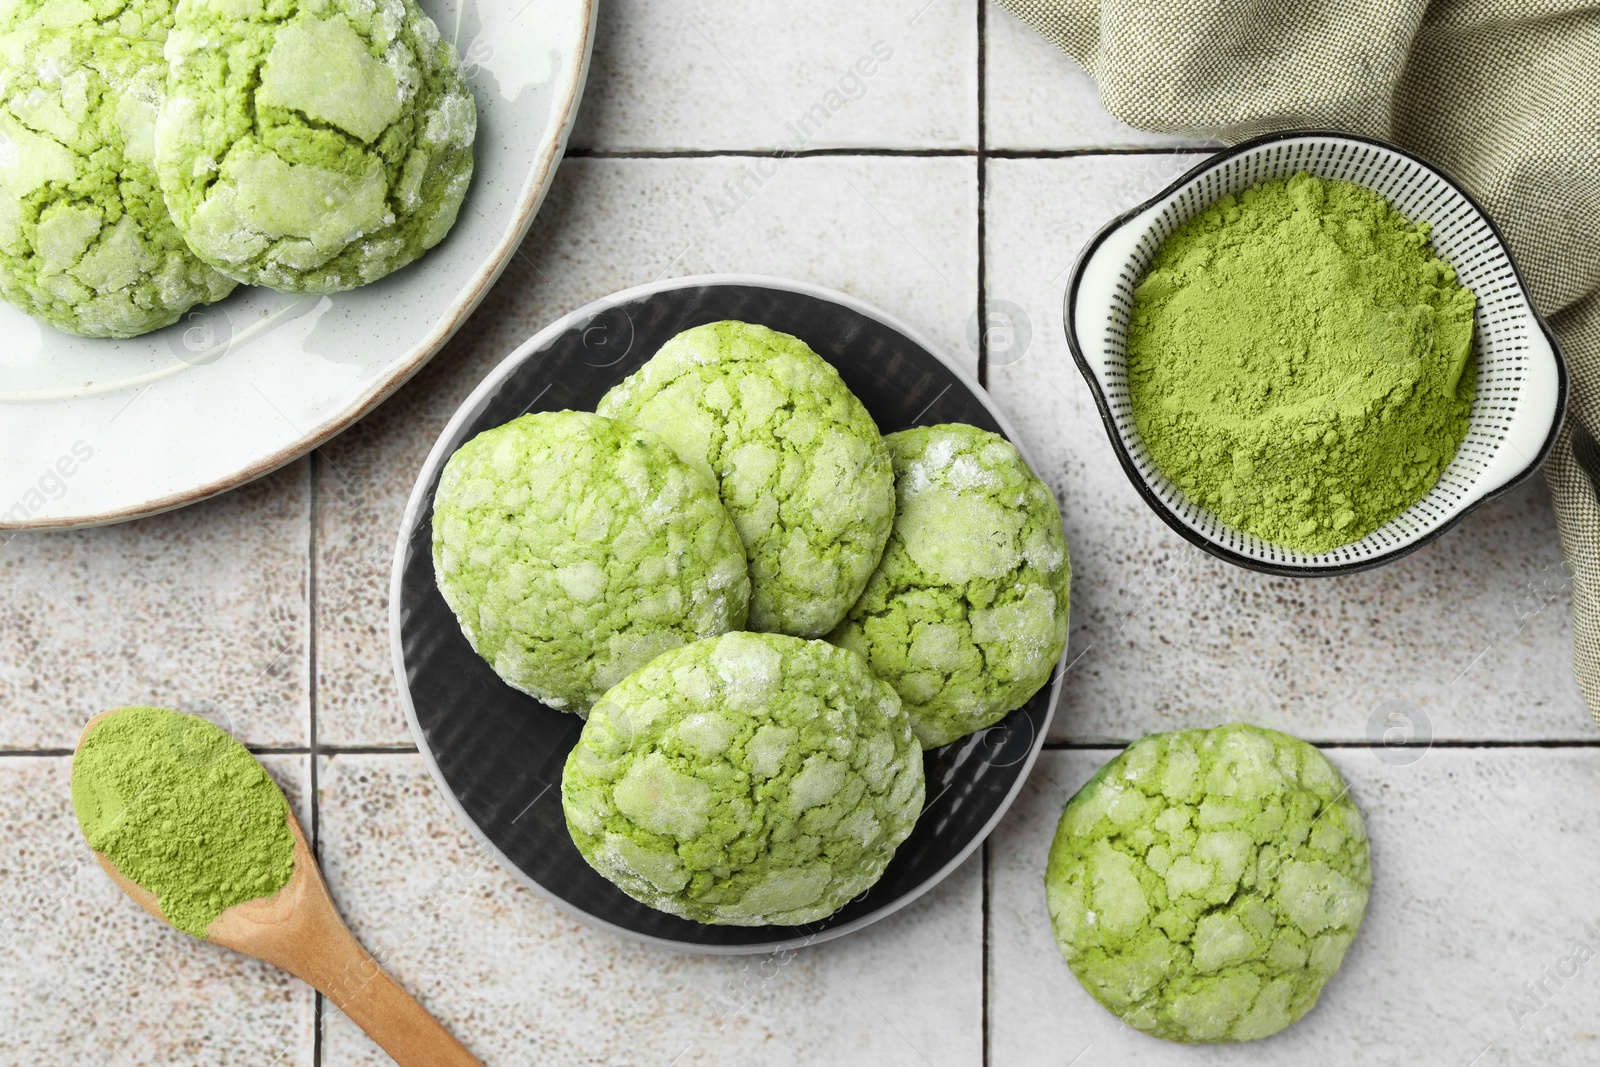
{"type": "Point", "coordinates": [183, 810]}
{"type": "Point", "coordinates": [1299, 361]}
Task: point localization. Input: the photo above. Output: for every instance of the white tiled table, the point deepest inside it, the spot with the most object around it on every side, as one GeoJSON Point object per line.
{"type": "Point", "coordinates": [265, 609]}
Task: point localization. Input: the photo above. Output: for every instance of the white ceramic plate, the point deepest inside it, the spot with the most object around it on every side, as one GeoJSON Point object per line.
{"type": "Point", "coordinates": [95, 431]}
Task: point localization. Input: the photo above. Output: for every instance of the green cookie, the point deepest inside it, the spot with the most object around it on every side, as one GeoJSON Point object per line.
{"type": "Point", "coordinates": [127, 18]}
{"type": "Point", "coordinates": [574, 550]}
{"type": "Point", "coordinates": [1205, 884]}
{"type": "Point", "coordinates": [745, 780]}
{"type": "Point", "coordinates": [966, 615]}
{"type": "Point", "coordinates": [85, 240]}
{"type": "Point", "coordinates": [799, 462]}
{"type": "Point", "coordinates": [312, 145]}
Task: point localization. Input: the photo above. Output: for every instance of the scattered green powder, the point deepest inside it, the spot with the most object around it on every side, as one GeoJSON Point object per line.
{"type": "Point", "coordinates": [183, 810]}
{"type": "Point", "coordinates": [1300, 361]}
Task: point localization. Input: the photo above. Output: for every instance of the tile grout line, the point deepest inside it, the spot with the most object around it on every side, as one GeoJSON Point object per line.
{"type": "Point", "coordinates": [982, 308]}
{"type": "Point", "coordinates": [1077, 153]}
{"type": "Point", "coordinates": [891, 153]}
{"type": "Point", "coordinates": [311, 706]}
{"type": "Point", "coordinates": [765, 153]}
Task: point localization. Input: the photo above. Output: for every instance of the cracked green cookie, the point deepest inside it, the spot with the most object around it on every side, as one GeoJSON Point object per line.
{"type": "Point", "coordinates": [966, 614]}
{"type": "Point", "coordinates": [574, 549]}
{"type": "Point", "coordinates": [1205, 884]}
{"type": "Point", "coordinates": [86, 243]}
{"type": "Point", "coordinates": [128, 18]}
{"type": "Point", "coordinates": [799, 462]}
{"type": "Point", "coordinates": [745, 780]}
{"type": "Point", "coordinates": [312, 145]}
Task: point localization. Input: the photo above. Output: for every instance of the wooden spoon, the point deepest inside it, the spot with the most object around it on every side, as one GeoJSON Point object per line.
{"type": "Point", "coordinates": [299, 929]}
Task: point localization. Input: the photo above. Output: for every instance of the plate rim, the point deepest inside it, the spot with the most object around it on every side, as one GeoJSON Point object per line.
{"type": "Point", "coordinates": [415, 502]}
{"type": "Point", "coordinates": [476, 288]}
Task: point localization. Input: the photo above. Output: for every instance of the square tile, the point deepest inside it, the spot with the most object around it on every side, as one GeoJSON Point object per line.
{"type": "Point", "coordinates": [1482, 890]}
{"type": "Point", "coordinates": [521, 982]}
{"type": "Point", "coordinates": [201, 609]}
{"type": "Point", "coordinates": [900, 233]}
{"type": "Point", "coordinates": [714, 74]}
{"type": "Point", "coordinates": [87, 977]}
{"type": "Point", "coordinates": [1038, 98]}
{"type": "Point", "coordinates": [1468, 637]}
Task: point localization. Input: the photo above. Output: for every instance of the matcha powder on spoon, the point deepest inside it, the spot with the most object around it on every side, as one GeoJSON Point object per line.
{"type": "Point", "coordinates": [1299, 361]}
{"type": "Point", "coordinates": [183, 810]}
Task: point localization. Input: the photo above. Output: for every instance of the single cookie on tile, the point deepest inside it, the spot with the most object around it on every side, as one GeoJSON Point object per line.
{"type": "Point", "coordinates": [745, 780]}
{"type": "Point", "coordinates": [1205, 884]}
{"type": "Point", "coordinates": [574, 549]}
{"type": "Point", "coordinates": [966, 614]}
{"type": "Point", "coordinates": [799, 462]}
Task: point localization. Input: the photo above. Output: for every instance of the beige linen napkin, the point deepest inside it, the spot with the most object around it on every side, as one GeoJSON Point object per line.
{"type": "Point", "coordinates": [1504, 95]}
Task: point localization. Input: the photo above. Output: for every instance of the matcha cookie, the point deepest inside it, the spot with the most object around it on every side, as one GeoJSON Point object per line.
{"type": "Point", "coordinates": [799, 462]}
{"type": "Point", "coordinates": [1205, 884]}
{"type": "Point", "coordinates": [312, 145]}
{"type": "Point", "coordinates": [966, 615]}
{"type": "Point", "coordinates": [745, 780]}
{"type": "Point", "coordinates": [128, 18]}
{"type": "Point", "coordinates": [85, 240]}
{"type": "Point", "coordinates": [574, 550]}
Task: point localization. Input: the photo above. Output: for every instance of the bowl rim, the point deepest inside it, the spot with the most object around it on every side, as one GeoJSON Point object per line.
{"type": "Point", "coordinates": [418, 500]}
{"type": "Point", "coordinates": [1108, 421]}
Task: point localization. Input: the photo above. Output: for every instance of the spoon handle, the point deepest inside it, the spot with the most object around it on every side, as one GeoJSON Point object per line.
{"type": "Point", "coordinates": [317, 947]}
{"type": "Point", "coordinates": [401, 1027]}
{"type": "Point", "coordinates": [303, 933]}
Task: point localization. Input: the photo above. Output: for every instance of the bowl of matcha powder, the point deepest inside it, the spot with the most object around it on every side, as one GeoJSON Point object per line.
{"type": "Point", "coordinates": [1314, 354]}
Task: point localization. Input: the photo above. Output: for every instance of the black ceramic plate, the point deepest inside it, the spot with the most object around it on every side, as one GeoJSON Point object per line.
{"type": "Point", "coordinates": [498, 753]}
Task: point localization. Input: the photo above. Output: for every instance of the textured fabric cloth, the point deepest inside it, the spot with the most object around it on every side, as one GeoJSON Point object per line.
{"type": "Point", "coordinates": [1503, 95]}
